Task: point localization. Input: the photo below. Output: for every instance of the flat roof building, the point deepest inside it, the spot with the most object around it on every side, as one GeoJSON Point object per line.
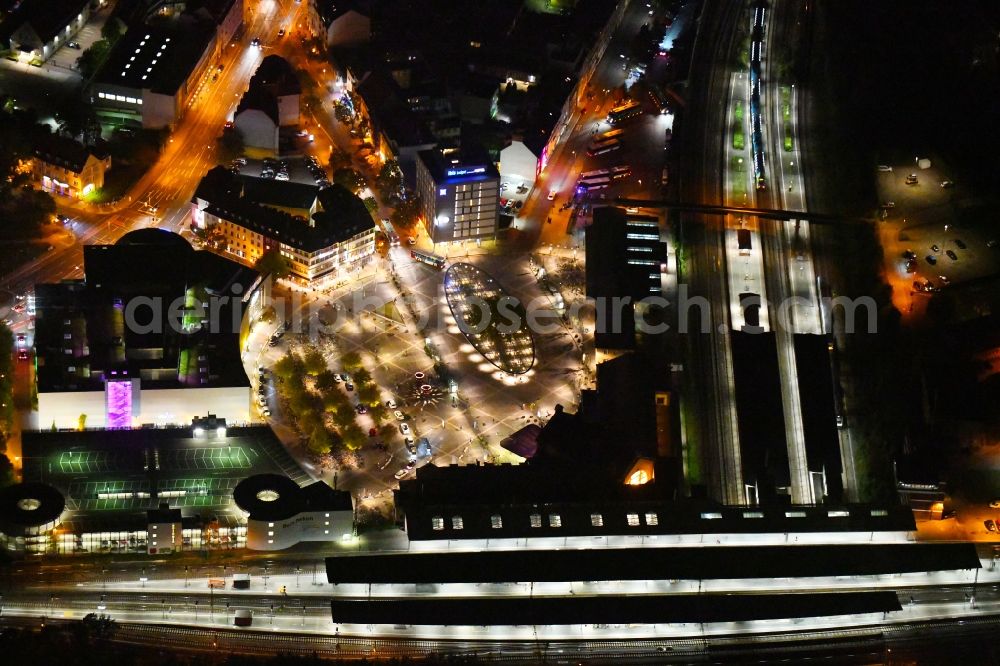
{"type": "Point", "coordinates": [460, 193]}
{"type": "Point", "coordinates": [150, 335]}
{"type": "Point", "coordinates": [152, 73]}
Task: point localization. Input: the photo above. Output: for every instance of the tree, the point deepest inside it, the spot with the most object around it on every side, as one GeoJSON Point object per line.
{"type": "Point", "coordinates": [353, 437]}
{"type": "Point", "coordinates": [77, 120]}
{"type": "Point", "coordinates": [325, 382]}
{"type": "Point", "coordinates": [351, 361]}
{"type": "Point", "coordinates": [230, 144]}
{"type": "Point", "coordinates": [362, 376]}
{"type": "Point", "coordinates": [339, 160]}
{"type": "Point", "coordinates": [350, 179]}
{"type": "Point", "coordinates": [92, 58]}
{"type": "Point", "coordinates": [368, 394]}
{"type": "Point", "coordinates": [389, 180]}
{"type": "Point", "coordinates": [289, 368]}
{"type": "Point", "coordinates": [274, 263]}
{"type": "Point", "coordinates": [388, 431]}
{"type": "Point", "coordinates": [406, 213]}
{"type": "Point", "coordinates": [314, 361]}
{"type": "Point", "coordinates": [343, 113]}
{"type": "Point", "coordinates": [6, 472]}
{"type": "Point", "coordinates": [111, 30]}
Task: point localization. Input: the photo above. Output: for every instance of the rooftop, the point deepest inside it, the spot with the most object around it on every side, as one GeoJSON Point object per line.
{"type": "Point", "coordinates": [46, 17]}
{"type": "Point", "coordinates": [468, 166]}
{"type": "Point", "coordinates": [84, 316]}
{"type": "Point", "coordinates": [668, 563]}
{"type": "Point", "coordinates": [64, 152]}
{"type": "Point", "coordinates": [157, 58]}
{"type": "Point", "coordinates": [342, 216]}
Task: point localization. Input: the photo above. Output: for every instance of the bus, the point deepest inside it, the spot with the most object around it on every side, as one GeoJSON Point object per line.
{"type": "Point", "coordinates": [619, 172]}
{"type": "Point", "coordinates": [431, 260]}
{"type": "Point", "coordinates": [620, 114]}
{"type": "Point", "coordinates": [659, 99]}
{"type": "Point", "coordinates": [588, 184]}
{"type": "Point", "coordinates": [595, 173]}
{"type": "Point", "coordinates": [603, 147]}
{"type": "Point", "coordinates": [390, 234]}
{"type": "Point", "coordinates": [610, 134]}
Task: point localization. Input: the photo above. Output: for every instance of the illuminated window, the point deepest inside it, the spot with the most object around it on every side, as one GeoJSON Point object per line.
{"type": "Point", "coordinates": [652, 519]}
{"type": "Point", "coordinates": [457, 523]}
{"type": "Point", "coordinates": [795, 514]}
{"type": "Point", "coordinates": [270, 534]}
{"type": "Point", "coordinates": [496, 522]}
{"type": "Point", "coordinates": [753, 514]}
{"type": "Point", "coordinates": [879, 512]}
{"type": "Point", "coordinates": [270, 524]}
{"type": "Point", "coordinates": [442, 192]}
{"type": "Point", "coordinates": [838, 514]}
{"type": "Point", "coordinates": [596, 520]}
{"type": "Point", "coordinates": [555, 520]}
{"type": "Point", "coordinates": [437, 523]}
{"type": "Point", "coordinates": [711, 515]}
{"type": "Point", "coordinates": [633, 519]}
{"type": "Point", "coordinates": [536, 520]}
{"type": "Point", "coordinates": [270, 540]}
{"type": "Point", "coordinates": [638, 478]}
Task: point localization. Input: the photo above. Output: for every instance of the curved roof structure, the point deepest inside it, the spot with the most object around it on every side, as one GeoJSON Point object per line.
{"type": "Point", "coordinates": [275, 497]}
{"type": "Point", "coordinates": [491, 320]}
{"type": "Point", "coordinates": [155, 236]}
{"type": "Point", "coordinates": [268, 497]}
{"type": "Point", "coordinates": [30, 508]}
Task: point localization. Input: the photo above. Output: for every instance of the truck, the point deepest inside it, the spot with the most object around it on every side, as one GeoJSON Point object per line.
{"type": "Point", "coordinates": [243, 617]}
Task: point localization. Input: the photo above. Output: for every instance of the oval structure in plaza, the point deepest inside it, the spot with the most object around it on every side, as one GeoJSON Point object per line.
{"type": "Point", "coordinates": [491, 320]}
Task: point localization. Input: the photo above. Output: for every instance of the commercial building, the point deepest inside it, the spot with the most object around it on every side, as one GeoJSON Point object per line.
{"type": "Point", "coordinates": [155, 69]}
{"type": "Point", "coordinates": [325, 233]}
{"type": "Point", "coordinates": [591, 505]}
{"type": "Point", "coordinates": [63, 166]}
{"type": "Point", "coordinates": [281, 514]}
{"type": "Point", "coordinates": [144, 490]}
{"type": "Point", "coordinates": [36, 29]}
{"type": "Point", "coordinates": [626, 261]}
{"type": "Point", "coordinates": [150, 335]}
{"type": "Point", "coordinates": [397, 131]}
{"type": "Point", "coordinates": [460, 195]}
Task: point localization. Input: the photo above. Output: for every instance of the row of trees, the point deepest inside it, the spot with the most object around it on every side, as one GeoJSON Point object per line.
{"type": "Point", "coordinates": [324, 414]}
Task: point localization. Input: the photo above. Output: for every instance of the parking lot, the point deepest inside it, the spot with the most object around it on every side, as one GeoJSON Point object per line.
{"type": "Point", "coordinates": [932, 238]}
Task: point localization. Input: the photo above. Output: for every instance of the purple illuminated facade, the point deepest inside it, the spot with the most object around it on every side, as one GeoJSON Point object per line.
{"type": "Point", "coordinates": [119, 404]}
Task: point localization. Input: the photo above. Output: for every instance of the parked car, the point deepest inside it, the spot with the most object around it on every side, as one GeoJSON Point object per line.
{"type": "Point", "coordinates": [995, 504]}
{"type": "Point", "coordinates": [951, 255]}
{"type": "Point", "coordinates": [410, 445]}
{"type": "Point", "coordinates": [911, 179]}
{"type": "Point", "coordinates": [405, 428]}
{"type": "Point", "coordinates": [281, 33]}
{"type": "Point", "coordinates": [403, 472]}
{"type": "Point", "coordinates": [935, 248]}
{"type": "Point", "coordinates": [390, 403]}
{"type": "Point", "coordinates": [349, 387]}
{"type": "Point", "coordinates": [990, 525]}
{"type": "Point", "coordinates": [73, 45]}
{"type": "Point", "coordinates": [372, 432]}
{"type": "Point", "coordinates": [399, 415]}
{"type": "Point", "coordinates": [931, 259]}
{"type": "Point", "coordinates": [909, 254]}
{"type": "Point", "coordinates": [947, 183]}
{"type": "Point", "coordinates": [960, 244]}
{"type": "Point", "coordinates": [361, 409]}
{"type": "Point", "coordinates": [884, 167]}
